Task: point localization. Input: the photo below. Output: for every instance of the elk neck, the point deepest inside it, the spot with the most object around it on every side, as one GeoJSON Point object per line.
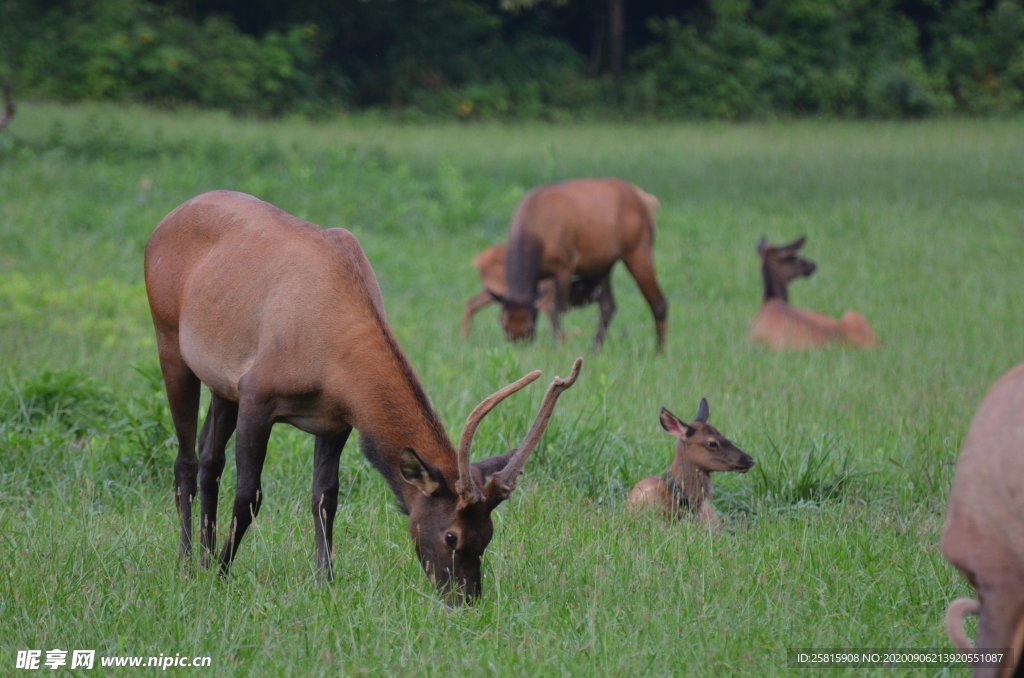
{"type": "Point", "coordinates": [522, 267]}
{"type": "Point", "coordinates": [694, 481]}
{"type": "Point", "coordinates": [395, 414]}
{"type": "Point", "coordinates": [774, 287]}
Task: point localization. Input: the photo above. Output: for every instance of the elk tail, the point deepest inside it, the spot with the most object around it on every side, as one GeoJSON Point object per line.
{"type": "Point", "coordinates": [955, 614]}
{"type": "Point", "coordinates": [651, 202]}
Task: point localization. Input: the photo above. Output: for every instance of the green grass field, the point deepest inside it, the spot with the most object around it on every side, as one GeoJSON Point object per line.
{"type": "Point", "coordinates": [830, 542]}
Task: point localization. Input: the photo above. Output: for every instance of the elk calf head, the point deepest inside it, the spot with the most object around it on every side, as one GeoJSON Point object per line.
{"type": "Point", "coordinates": [452, 526]}
{"type": "Point", "coordinates": [781, 265]}
{"type": "Point", "coordinates": [701, 449]}
{"type": "Point", "coordinates": [702, 445]}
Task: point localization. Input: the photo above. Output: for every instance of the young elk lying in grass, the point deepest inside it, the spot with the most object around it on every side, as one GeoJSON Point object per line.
{"type": "Point", "coordinates": [491, 265]}
{"type": "Point", "coordinates": [984, 532]}
{"type": "Point", "coordinates": [686, 487]}
{"type": "Point", "coordinates": [782, 326]}
{"type": "Point", "coordinates": [284, 322]}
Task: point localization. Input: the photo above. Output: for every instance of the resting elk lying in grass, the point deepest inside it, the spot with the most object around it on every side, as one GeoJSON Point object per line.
{"type": "Point", "coordinates": [984, 532]}
{"type": "Point", "coordinates": [686, 488]}
{"type": "Point", "coordinates": [284, 322]}
{"type": "Point", "coordinates": [491, 265]}
{"type": "Point", "coordinates": [782, 326]}
{"type": "Point", "coordinates": [578, 230]}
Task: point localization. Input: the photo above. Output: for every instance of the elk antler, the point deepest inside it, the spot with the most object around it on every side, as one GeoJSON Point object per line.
{"type": "Point", "coordinates": [468, 491]}
{"type": "Point", "coordinates": [8, 106]}
{"type": "Point", "coordinates": [958, 609]}
{"type": "Point", "coordinates": [501, 484]}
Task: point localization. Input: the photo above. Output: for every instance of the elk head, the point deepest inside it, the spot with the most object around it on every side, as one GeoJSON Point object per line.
{"type": "Point", "coordinates": [519, 320]}
{"type": "Point", "coordinates": [781, 265]}
{"type": "Point", "coordinates": [451, 526]}
{"type": "Point", "coordinates": [700, 444]}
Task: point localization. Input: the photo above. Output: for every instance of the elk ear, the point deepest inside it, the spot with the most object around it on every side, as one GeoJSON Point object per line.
{"type": "Point", "coordinates": [492, 465]}
{"type": "Point", "coordinates": [416, 472]}
{"type": "Point", "coordinates": [796, 244]}
{"type": "Point", "coordinates": [674, 424]}
{"type": "Point", "coordinates": [762, 245]}
{"type": "Point", "coordinates": [702, 412]}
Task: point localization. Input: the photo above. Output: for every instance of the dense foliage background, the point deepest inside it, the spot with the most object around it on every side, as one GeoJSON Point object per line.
{"type": "Point", "coordinates": [731, 59]}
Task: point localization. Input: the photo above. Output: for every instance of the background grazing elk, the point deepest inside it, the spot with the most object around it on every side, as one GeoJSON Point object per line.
{"type": "Point", "coordinates": [686, 487]}
{"type": "Point", "coordinates": [491, 265]}
{"type": "Point", "coordinates": [577, 230]}
{"type": "Point", "coordinates": [284, 322]}
{"type": "Point", "coordinates": [782, 326]}
{"type": "Point", "coordinates": [984, 532]}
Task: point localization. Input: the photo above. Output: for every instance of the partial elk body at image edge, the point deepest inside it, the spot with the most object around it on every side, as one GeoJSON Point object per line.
{"type": "Point", "coordinates": [984, 531]}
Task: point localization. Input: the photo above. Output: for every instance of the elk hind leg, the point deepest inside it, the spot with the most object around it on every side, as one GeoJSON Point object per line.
{"type": "Point", "coordinates": [640, 263]}
{"type": "Point", "coordinates": [218, 428]}
{"type": "Point", "coordinates": [182, 387]}
{"type": "Point", "coordinates": [254, 423]}
{"type": "Point", "coordinates": [1001, 626]}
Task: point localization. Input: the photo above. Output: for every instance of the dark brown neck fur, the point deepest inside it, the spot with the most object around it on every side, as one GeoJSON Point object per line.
{"type": "Point", "coordinates": [694, 481]}
{"type": "Point", "coordinates": [774, 287]}
{"type": "Point", "coordinates": [382, 440]}
{"type": "Point", "coordinates": [522, 266]}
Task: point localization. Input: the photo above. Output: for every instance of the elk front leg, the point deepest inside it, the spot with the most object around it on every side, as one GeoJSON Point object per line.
{"type": "Point", "coordinates": [562, 297]}
{"type": "Point", "coordinates": [325, 498]}
{"type": "Point", "coordinates": [183, 397]}
{"type": "Point", "coordinates": [217, 430]}
{"type": "Point", "coordinates": [476, 303]}
{"type": "Point", "coordinates": [254, 423]}
{"type": "Point", "coordinates": [606, 302]}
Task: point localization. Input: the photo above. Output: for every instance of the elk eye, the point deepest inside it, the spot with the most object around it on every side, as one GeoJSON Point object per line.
{"type": "Point", "coordinates": [713, 444]}
{"type": "Point", "coordinates": [451, 539]}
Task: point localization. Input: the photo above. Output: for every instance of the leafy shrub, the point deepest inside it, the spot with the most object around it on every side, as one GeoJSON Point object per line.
{"type": "Point", "coordinates": [126, 50]}
{"type": "Point", "coordinates": [899, 91]}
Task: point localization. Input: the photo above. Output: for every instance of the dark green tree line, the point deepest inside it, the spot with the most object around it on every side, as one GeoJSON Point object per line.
{"type": "Point", "coordinates": [733, 59]}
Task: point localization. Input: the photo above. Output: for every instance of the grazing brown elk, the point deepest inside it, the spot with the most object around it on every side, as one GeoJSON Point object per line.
{"type": "Point", "coordinates": [686, 488]}
{"type": "Point", "coordinates": [284, 322]}
{"type": "Point", "coordinates": [491, 265]}
{"type": "Point", "coordinates": [578, 230]}
{"type": "Point", "coordinates": [782, 326]}
{"type": "Point", "coordinates": [984, 532]}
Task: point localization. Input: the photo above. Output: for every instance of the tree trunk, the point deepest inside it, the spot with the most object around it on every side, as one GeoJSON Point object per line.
{"type": "Point", "coordinates": [616, 35]}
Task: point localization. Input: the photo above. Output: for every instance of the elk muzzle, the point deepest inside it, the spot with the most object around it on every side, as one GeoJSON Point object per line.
{"type": "Point", "coordinates": [457, 578]}
{"type": "Point", "coordinates": [519, 321]}
{"type": "Point", "coordinates": [744, 463]}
